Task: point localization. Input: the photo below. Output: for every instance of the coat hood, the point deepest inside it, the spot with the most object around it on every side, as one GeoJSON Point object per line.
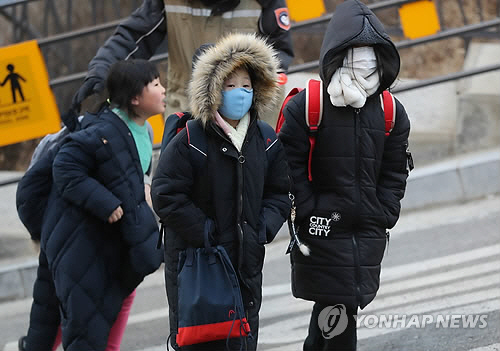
{"type": "Point", "coordinates": [216, 63]}
{"type": "Point", "coordinates": [354, 24]}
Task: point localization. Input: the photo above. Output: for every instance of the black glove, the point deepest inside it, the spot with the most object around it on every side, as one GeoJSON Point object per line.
{"type": "Point", "coordinates": [70, 118]}
{"type": "Point", "coordinates": [91, 85]}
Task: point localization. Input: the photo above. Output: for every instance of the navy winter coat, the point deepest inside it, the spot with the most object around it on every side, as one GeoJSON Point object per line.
{"type": "Point", "coordinates": [245, 193]}
{"type": "Point", "coordinates": [358, 174]}
{"type": "Point", "coordinates": [95, 265]}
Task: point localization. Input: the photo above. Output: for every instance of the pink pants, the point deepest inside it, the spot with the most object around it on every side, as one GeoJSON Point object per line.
{"type": "Point", "coordinates": [117, 330]}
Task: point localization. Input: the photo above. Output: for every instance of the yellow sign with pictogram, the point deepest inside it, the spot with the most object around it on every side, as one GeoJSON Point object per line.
{"type": "Point", "coordinates": [419, 19]}
{"type": "Point", "coordinates": [301, 10]}
{"type": "Point", "coordinates": [28, 109]}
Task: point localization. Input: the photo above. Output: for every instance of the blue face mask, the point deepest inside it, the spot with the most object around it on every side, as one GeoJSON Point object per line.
{"type": "Point", "coordinates": [236, 103]}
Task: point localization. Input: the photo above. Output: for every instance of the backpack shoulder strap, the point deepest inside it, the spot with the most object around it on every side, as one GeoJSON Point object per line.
{"type": "Point", "coordinates": [314, 104]}
{"type": "Point", "coordinates": [281, 117]}
{"type": "Point", "coordinates": [389, 107]}
{"type": "Point", "coordinates": [197, 141]}
{"type": "Point", "coordinates": [314, 115]}
{"type": "Point", "coordinates": [268, 134]}
{"type": "Point", "coordinates": [173, 125]}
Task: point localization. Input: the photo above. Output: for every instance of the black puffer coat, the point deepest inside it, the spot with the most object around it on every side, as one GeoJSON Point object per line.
{"type": "Point", "coordinates": [246, 193]}
{"type": "Point", "coordinates": [95, 265]}
{"type": "Point", "coordinates": [359, 175]}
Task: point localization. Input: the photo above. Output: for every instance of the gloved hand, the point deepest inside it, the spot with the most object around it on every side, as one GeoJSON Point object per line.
{"type": "Point", "coordinates": [91, 85]}
{"type": "Point", "coordinates": [70, 118]}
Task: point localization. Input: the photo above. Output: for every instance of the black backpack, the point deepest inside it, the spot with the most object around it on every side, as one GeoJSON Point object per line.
{"type": "Point", "coordinates": [33, 190]}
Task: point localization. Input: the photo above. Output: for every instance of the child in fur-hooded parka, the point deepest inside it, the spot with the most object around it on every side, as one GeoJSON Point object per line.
{"type": "Point", "coordinates": [242, 185]}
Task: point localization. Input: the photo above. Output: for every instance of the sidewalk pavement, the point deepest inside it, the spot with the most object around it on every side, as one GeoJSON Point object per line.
{"type": "Point", "coordinates": [455, 180]}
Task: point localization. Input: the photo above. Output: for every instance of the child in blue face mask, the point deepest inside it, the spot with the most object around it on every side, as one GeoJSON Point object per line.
{"type": "Point", "coordinates": [233, 115]}
{"type": "Point", "coordinates": [239, 182]}
{"type": "Point", "coordinates": [237, 96]}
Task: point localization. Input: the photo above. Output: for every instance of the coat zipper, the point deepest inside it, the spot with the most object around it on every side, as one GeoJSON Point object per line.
{"type": "Point", "coordinates": [355, 246]}
{"type": "Point", "coordinates": [241, 160]}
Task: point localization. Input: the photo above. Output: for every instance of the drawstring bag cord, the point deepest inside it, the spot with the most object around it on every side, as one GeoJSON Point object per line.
{"type": "Point", "coordinates": [235, 309]}
{"type": "Point", "coordinates": [168, 341]}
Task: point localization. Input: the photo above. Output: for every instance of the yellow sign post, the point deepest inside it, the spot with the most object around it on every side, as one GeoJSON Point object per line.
{"type": "Point", "coordinates": [28, 109]}
{"type": "Point", "coordinates": [419, 19]}
{"type": "Point", "coordinates": [158, 125]}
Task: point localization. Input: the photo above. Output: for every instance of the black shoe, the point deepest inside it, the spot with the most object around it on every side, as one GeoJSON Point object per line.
{"type": "Point", "coordinates": [22, 343]}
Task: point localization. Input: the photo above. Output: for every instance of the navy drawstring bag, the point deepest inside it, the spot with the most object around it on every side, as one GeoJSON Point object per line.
{"type": "Point", "coordinates": [210, 306]}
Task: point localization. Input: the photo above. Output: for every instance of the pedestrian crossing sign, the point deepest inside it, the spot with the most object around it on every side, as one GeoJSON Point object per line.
{"type": "Point", "coordinates": [28, 108]}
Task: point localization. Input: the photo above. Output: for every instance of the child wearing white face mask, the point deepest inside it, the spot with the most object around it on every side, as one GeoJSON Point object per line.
{"type": "Point", "coordinates": [357, 79]}
{"type": "Point", "coordinates": [239, 180]}
{"type": "Point", "coordinates": [358, 175]}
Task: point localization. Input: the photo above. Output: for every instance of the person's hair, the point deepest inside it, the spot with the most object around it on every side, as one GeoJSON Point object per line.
{"type": "Point", "coordinates": [127, 79]}
{"type": "Point", "coordinates": [332, 62]}
{"type": "Point", "coordinates": [386, 70]}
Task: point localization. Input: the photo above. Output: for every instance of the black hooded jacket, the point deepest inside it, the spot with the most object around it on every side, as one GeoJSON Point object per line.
{"type": "Point", "coordinates": [359, 174]}
{"type": "Point", "coordinates": [244, 192]}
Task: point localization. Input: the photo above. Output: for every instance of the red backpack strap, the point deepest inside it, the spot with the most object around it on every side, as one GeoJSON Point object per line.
{"type": "Point", "coordinates": [314, 114]}
{"type": "Point", "coordinates": [389, 108]}
{"type": "Point", "coordinates": [281, 117]}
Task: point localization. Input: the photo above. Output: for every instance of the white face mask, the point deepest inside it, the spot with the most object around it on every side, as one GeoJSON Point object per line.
{"type": "Point", "coordinates": [357, 79]}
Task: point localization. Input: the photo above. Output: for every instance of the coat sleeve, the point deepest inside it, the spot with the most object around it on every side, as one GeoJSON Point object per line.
{"type": "Point", "coordinates": [171, 192]}
{"type": "Point", "coordinates": [72, 169]}
{"type": "Point", "coordinates": [138, 36]}
{"type": "Point", "coordinates": [394, 170]}
{"type": "Point", "coordinates": [274, 23]}
{"type": "Point", "coordinates": [276, 203]}
{"type": "Point", "coordinates": [294, 136]}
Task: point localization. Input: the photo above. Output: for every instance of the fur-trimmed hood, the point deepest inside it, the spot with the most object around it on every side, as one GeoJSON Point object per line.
{"type": "Point", "coordinates": [216, 63]}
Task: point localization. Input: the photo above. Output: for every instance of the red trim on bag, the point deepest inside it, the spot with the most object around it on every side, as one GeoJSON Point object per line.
{"type": "Point", "coordinates": [210, 332]}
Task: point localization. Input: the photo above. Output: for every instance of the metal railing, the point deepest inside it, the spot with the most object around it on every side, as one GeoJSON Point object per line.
{"type": "Point", "coordinates": [464, 31]}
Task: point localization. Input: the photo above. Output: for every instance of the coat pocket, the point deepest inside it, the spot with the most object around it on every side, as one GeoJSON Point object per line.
{"type": "Point", "coordinates": [253, 251]}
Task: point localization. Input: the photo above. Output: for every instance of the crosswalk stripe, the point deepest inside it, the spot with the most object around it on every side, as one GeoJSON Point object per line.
{"type": "Point", "coordinates": [406, 270]}
{"type": "Point", "coordinates": [298, 346]}
{"type": "Point", "coordinates": [441, 277]}
{"type": "Point", "coordinates": [470, 309]}
{"type": "Point", "coordinates": [435, 292]}
{"type": "Point", "coordinates": [431, 286]}
{"type": "Point", "coordinates": [492, 347]}
{"type": "Point", "coordinates": [11, 346]}
{"type": "Point", "coordinates": [295, 329]}
{"type": "Point", "coordinates": [456, 285]}
{"type": "Point", "coordinates": [148, 316]}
